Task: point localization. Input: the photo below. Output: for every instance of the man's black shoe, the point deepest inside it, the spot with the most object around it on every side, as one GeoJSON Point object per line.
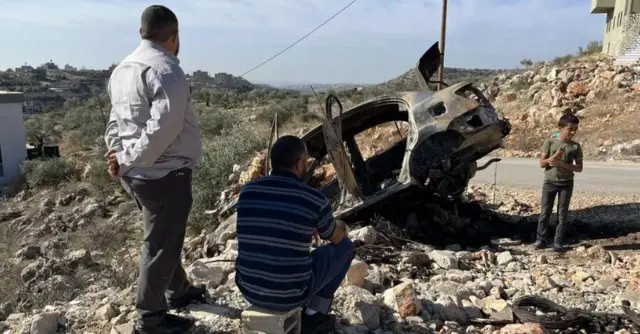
{"type": "Point", "coordinates": [194, 294]}
{"type": "Point", "coordinates": [179, 321]}
{"type": "Point", "coordinates": [559, 248]}
{"type": "Point", "coordinates": [171, 324]}
{"type": "Point", "coordinates": [318, 323]}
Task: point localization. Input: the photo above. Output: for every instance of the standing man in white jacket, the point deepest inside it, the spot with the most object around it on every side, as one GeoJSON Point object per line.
{"type": "Point", "coordinates": [154, 144]}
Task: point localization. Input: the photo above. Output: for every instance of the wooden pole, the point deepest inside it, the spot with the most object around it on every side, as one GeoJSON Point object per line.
{"type": "Point", "coordinates": [443, 36]}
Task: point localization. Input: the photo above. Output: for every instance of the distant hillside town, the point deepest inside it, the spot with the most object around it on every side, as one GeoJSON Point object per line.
{"type": "Point", "coordinates": [48, 86]}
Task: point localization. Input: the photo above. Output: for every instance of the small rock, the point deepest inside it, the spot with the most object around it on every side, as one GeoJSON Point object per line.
{"type": "Point", "coordinates": [225, 231]}
{"type": "Point", "coordinates": [15, 317]}
{"type": "Point", "coordinates": [603, 285]}
{"type": "Point", "coordinates": [402, 298]}
{"type": "Point", "coordinates": [207, 272]}
{"type": "Point", "coordinates": [119, 319]}
{"type": "Point", "coordinates": [30, 252]}
{"type": "Point", "coordinates": [107, 312]}
{"type": "Point", "coordinates": [444, 259]}
{"type": "Point", "coordinates": [31, 270]}
{"type": "Point", "coordinates": [357, 272]}
{"type": "Point", "coordinates": [504, 258]}
{"type": "Point", "coordinates": [125, 328]}
{"type": "Point", "coordinates": [366, 234]}
{"type": "Point", "coordinates": [542, 259]}
{"type": "Point", "coordinates": [417, 259]}
{"type": "Point", "coordinates": [43, 323]}
{"type": "Point", "coordinates": [526, 328]}
{"type": "Point", "coordinates": [79, 257]}
{"type": "Point", "coordinates": [580, 277]}
{"type": "Point", "coordinates": [458, 276]}
{"type": "Point", "coordinates": [497, 309]}
{"type": "Point", "coordinates": [358, 307]}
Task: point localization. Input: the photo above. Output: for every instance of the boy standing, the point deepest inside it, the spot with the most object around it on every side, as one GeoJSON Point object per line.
{"type": "Point", "coordinates": [561, 158]}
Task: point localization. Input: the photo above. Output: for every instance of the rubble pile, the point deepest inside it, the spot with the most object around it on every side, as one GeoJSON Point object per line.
{"type": "Point", "coordinates": [537, 97]}
{"type": "Point", "coordinates": [396, 284]}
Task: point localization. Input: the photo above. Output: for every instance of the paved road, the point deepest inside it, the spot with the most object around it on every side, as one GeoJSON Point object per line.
{"type": "Point", "coordinates": [597, 176]}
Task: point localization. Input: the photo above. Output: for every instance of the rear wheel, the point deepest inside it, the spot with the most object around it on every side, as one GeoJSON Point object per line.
{"type": "Point", "coordinates": [433, 164]}
{"type": "Point", "coordinates": [450, 181]}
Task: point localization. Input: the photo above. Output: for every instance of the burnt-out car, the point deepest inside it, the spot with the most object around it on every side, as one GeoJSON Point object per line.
{"type": "Point", "coordinates": [448, 131]}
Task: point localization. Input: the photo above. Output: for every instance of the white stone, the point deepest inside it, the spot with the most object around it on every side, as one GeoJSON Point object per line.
{"type": "Point", "coordinates": [444, 259]}
{"type": "Point", "coordinates": [257, 320]}
{"type": "Point", "coordinates": [206, 272]}
{"type": "Point", "coordinates": [358, 307]}
{"type": "Point", "coordinates": [357, 273]}
{"type": "Point", "coordinates": [43, 323]}
{"type": "Point", "coordinates": [504, 258]}
{"type": "Point", "coordinates": [107, 312]}
{"type": "Point", "coordinates": [366, 234]}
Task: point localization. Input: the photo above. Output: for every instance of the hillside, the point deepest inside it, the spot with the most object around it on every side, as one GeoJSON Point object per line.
{"type": "Point", "coordinates": [605, 97]}
{"type": "Point", "coordinates": [408, 82]}
{"type": "Point", "coordinates": [306, 88]}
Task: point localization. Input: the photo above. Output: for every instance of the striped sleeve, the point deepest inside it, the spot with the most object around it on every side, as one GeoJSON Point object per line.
{"type": "Point", "coordinates": [326, 225]}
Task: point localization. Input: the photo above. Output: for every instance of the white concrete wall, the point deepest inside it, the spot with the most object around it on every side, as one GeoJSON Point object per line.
{"type": "Point", "coordinates": [13, 141]}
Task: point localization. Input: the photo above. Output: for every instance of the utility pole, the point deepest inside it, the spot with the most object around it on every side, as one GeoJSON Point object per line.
{"type": "Point", "coordinates": [443, 37]}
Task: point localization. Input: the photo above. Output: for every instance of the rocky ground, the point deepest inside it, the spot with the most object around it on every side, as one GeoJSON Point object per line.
{"type": "Point", "coordinates": [71, 275]}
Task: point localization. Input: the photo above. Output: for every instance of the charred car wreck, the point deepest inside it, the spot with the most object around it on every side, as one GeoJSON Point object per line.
{"type": "Point", "coordinates": [449, 130]}
{"type": "Point", "coordinates": [412, 181]}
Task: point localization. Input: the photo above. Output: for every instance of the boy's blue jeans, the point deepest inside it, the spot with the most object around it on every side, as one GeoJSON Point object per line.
{"type": "Point", "coordinates": [330, 265]}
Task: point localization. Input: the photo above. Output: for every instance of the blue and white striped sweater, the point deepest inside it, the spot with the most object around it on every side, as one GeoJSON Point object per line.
{"type": "Point", "coordinates": [276, 218]}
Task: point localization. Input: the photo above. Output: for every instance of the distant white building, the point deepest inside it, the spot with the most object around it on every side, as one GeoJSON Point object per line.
{"type": "Point", "coordinates": [13, 138]}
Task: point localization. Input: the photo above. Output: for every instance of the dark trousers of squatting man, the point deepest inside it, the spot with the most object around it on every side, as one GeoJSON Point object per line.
{"type": "Point", "coordinates": [330, 264]}
{"type": "Point", "coordinates": [550, 189]}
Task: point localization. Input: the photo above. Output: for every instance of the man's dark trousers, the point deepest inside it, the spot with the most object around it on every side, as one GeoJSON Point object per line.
{"type": "Point", "coordinates": [165, 205]}
{"type": "Point", "coordinates": [331, 263]}
{"type": "Point", "coordinates": [563, 189]}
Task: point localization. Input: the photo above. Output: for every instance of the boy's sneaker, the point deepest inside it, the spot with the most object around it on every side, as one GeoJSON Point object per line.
{"type": "Point", "coordinates": [318, 323]}
{"type": "Point", "coordinates": [194, 294]}
{"type": "Point", "coordinates": [539, 244]}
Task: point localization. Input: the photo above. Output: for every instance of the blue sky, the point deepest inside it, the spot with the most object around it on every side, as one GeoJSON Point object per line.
{"type": "Point", "coordinates": [370, 42]}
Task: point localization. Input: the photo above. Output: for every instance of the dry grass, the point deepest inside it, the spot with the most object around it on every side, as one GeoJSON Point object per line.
{"type": "Point", "coordinates": [109, 241]}
{"type": "Point", "coordinates": [10, 281]}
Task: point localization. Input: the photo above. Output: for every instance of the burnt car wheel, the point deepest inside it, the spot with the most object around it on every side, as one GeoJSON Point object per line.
{"type": "Point", "coordinates": [448, 181]}
{"type": "Point", "coordinates": [434, 164]}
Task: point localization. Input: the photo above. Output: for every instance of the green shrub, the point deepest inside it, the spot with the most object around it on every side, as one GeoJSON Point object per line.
{"type": "Point", "coordinates": [561, 60]}
{"type": "Point", "coordinates": [592, 47]}
{"type": "Point", "coordinates": [526, 62]}
{"type": "Point", "coordinates": [212, 121]}
{"type": "Point", "coordinates": [220, 153]}
{"type": "Point", "coordinates": [286, 110]}
{"type": "Point", "coordinates": [50, 173]}
{"type": "Point", "coordinates": [100, 182]}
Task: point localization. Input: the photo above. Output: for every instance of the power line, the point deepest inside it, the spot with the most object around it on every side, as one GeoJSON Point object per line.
{"type": "Point", "coordinates": [299, 40]}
